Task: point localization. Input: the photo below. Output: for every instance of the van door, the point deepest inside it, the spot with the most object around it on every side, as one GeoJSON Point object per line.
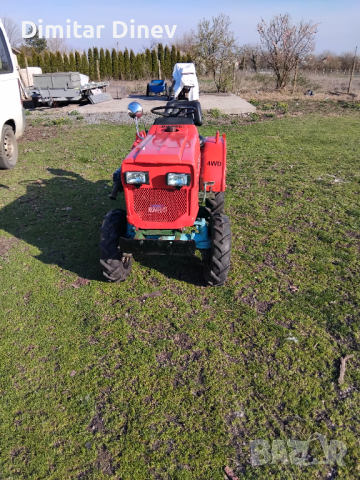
{"type": "Point", "coordinates": [12, 119]}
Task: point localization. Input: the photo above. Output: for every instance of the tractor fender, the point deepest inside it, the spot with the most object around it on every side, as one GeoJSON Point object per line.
{"type": "Point", "coordinates": [213, 163]}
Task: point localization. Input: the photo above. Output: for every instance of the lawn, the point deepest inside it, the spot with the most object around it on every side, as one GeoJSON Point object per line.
{"type": "Point", "coordinates": [161, 377]}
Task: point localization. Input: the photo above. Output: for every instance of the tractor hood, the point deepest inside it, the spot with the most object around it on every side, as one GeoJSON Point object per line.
{"type": "Point", "coordinates": [167, 147]}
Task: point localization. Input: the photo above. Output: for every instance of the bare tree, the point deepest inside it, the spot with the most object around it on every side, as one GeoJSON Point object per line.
{"type": "Point", "coordinates": [253, 55]}
{"type": "Point", "coordinates": [286, 44]}
{"type": "Point", "coordinates": [328, 60]}
{"type": "Point", "coordinates": [215, 47]}
{"type": "Point", "coordinates": [347, 59]}
{"type": "Point", "coordinates": [185, 43]}
{"type": "Point", "coordinates": [57, 45]}
{"type": "Point", "coordinates": [13, 31]}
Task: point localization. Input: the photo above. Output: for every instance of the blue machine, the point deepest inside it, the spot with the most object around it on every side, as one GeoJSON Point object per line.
{"type": "Point", "coordinates": [156, 87]}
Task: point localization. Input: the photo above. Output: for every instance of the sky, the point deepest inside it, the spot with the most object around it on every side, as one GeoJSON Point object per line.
{"type": "Point", "coordinates": [338, 30]}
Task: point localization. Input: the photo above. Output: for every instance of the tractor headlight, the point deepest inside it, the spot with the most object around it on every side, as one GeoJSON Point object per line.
{"type": "Point", "coordinates": [137, 178]}
{"type": "Point", "coordinates": [178, 179]}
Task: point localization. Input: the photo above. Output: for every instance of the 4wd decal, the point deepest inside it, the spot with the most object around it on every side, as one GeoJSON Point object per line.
{"type": "Point", "coordinates": [214, 163]}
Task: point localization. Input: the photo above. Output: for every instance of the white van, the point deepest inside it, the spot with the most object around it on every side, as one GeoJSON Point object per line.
{"type": "Point", "coordinates": [12, 113]}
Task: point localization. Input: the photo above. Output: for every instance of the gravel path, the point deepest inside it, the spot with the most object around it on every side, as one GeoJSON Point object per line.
{"type": "Point", "coordinates": [118, 119]}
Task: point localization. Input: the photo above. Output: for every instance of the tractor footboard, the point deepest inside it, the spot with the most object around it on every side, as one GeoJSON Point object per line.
{"type": "Point", "coordinates": [157, 247]}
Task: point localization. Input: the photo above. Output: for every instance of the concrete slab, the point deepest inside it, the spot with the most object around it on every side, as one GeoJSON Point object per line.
{"type": "Point", "coordinates": [227, 103]}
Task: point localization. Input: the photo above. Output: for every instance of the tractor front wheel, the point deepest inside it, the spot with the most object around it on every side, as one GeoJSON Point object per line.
{"type": "Point", "coordinates": [115, 264]}
{"type": "Point", "coordinates": [216, 205]}
{"type": "Point", "coordinates": [217, 261]}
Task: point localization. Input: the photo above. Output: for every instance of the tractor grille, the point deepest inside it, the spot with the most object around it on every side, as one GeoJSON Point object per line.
{"type": "Point", "coordinates": [160, 205]}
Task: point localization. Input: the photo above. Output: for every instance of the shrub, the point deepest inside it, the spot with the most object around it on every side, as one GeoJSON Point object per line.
{"type": "Point", "coordinates": [267, 106]}
{"type": "Point", "coordinates": [350, 105]}
{"type": "Point", "coordinates": [61, 121]}
{"type": "Point", "coordinates": [255, 117]}
{"type": "Point", "coordinates": [282, 106]}
{"type": "Point", "coordinates": [74, 112]}
{"type": "Point", "coordinates": [254, 102]}
{"type": "Point", "coordinates": [215, 112]}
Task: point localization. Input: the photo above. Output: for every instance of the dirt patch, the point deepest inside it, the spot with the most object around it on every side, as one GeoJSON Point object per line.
{"type": "Point", "coordinates": [96, 424]}
{"type": "Point", "coordinates": [183, 341]}
{"type": "Point", "coordinates": [249, 300]}
{"type": "Point", "coordinates": [92, 340]}
{"type": "Point", "coordinates": [263, 307]}
{"type": "Point", "coordinates": [155, 294]}
{"type": "Point", "coordinates": [34, 134]}
{"type": "Point", "coordinates": [104, 461]}
{"type": "Point", "coordinates": [80, 282]}
{"type": "Point", "coordinates": [164, 359]}
{"type": "Point", "coordinates": [5, 245]}
{"type": "Point", "coordinates": [21, 452]}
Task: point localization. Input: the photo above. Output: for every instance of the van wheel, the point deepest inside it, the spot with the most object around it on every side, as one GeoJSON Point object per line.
{"type": "Point", "coordinates": [8, 148]}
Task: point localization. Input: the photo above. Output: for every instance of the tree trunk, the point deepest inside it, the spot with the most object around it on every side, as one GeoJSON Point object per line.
{"type": "Point", "coordinates": [234, 69]}
{"type": "Point", "coordinates": [295, 76]}
{"type": "Point", "coordinates": [352, 72]}
{"type": "Point", "coordinates": [97, 70]}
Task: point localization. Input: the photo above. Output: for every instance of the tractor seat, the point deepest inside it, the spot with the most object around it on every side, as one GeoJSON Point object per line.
{"type": "Point", "coordinates": [174, 121]}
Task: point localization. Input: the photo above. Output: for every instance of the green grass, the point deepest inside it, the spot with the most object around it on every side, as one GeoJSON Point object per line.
{"type": "Point", "coordinates": [176, 386]}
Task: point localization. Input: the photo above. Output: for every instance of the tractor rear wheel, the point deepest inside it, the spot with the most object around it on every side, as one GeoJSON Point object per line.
{"type": "Point", "coordinates": [115, 264]}
{"type": "Point", "coordinates": [216, 204]}
{"type": "Point", "coordinates": [217, 261]}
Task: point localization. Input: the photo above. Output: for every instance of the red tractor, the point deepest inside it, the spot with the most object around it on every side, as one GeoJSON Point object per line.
{"type": "Point", "coordinates": [174, 183]}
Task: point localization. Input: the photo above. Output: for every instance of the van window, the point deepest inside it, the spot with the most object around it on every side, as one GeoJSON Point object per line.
{"type": "Point", "coordinates": [5, 59]}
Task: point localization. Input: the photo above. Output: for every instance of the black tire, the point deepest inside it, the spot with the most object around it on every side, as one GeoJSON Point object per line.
{"type": "Point", "coordinates": [216, 205]}
{"type": "Point", "coordinates": [35, 102]}
{"type": "Point", "coordinates": [8, 148]}
{"type": "Point", "coordinates": [170, 93]}
{"type": "Point", "coordinates": [115, 264]}
{"type": "Point", "coordinates": [148, 91]}
{"type": "Point", "coordinates": [217, 261]}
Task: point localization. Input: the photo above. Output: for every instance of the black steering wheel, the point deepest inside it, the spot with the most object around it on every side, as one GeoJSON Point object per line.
{"type": "Point", "coordinates": [175, 110]}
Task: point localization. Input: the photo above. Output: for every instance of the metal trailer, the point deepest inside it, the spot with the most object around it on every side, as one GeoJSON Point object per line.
{"type": "Point", "coordinates": [52, 88]}
{"type": "Point", "coordinates": [156, 87]}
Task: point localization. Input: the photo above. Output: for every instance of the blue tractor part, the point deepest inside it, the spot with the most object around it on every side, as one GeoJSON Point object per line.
{"type": "Point", "coordinates": [167, 242]}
